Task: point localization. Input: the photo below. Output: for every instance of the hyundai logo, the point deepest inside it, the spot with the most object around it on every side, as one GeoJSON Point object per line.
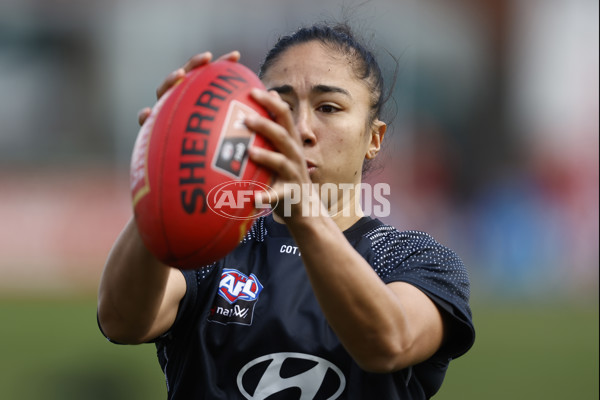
{"type": "Point", "coordinates": [280, 375]}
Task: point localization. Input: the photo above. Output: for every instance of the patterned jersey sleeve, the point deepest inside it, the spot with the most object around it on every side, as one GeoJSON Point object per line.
{"type": "Point", "coordinates": [416, 258]}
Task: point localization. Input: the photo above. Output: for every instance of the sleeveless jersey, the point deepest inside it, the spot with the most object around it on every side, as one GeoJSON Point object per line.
{"type": "Point", "coordinates": [250, 327]}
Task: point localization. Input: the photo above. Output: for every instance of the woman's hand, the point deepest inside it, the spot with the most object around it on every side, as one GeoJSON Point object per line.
{"type": "Point", "coordinates": [194, 62]}
{"type": "Point", "coordinates": [292, 187]}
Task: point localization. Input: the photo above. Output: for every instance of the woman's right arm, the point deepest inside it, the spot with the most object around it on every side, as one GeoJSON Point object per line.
{"type": "Point", "coordinates": [138, 297]}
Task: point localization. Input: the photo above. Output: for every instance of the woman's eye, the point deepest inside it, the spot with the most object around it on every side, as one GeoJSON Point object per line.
{"type": "Point", "coordinates": [327, 108]}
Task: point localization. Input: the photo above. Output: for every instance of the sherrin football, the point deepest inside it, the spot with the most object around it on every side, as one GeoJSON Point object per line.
{"type": "Point", "coordinates": [192, 182]}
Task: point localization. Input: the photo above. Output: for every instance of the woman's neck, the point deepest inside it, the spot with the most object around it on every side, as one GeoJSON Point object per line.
{"type": "Point", "coordinates": [342, 205]}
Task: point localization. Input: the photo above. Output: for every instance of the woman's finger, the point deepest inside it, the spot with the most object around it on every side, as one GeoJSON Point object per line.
{"type": "Point", "coordinates": [279, 109]}
{"type": "Point", "coordinates": [197, 60]}
{"type": "Point", "coordinates": [231, 56]}
{"type": "Point", "coordinates": [143, 115]}
{"type": "Point", "coordinates": [169, 81]}
{"type": "Point", "coordinates": [286, 169]}
{"type": "Point", "coordinates": [277, 135]}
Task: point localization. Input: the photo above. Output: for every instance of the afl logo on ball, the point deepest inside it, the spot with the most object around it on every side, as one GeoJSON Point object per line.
{"type": "Point", "coordinates": [230, 199]}
{"type": "Point", "coordinates": [235, 139]}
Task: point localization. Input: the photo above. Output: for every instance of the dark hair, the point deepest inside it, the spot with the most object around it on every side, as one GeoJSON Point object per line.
{"type": "Point", "coordinates": [341, 38]}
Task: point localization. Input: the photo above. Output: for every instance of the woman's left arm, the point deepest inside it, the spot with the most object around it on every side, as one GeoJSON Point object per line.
{"type": "Point", "coordinates": [385, 327]}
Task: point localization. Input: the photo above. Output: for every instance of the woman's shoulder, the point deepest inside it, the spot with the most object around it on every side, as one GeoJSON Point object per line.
{"type": "Point", "coordinates": [390, 250]}
{"type": "Point", "coordinates": [383, 235]}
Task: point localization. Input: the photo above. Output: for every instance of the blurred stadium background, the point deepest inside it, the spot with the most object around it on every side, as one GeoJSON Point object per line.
{"type": "Point", "coordinates": [493, 149]}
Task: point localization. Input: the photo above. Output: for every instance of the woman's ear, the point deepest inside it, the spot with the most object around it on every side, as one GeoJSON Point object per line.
{"type": "Point", "coordinates": [378, 129]}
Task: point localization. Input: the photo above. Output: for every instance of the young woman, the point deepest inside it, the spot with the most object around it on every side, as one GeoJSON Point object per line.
{"type": "Point", "coordinates": [308, 306]}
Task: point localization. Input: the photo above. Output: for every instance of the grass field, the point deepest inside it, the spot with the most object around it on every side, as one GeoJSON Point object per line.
{"type": "Point", "coordinates": [533, 352]}
{"type": "Point", "coordinates": [52, 349]}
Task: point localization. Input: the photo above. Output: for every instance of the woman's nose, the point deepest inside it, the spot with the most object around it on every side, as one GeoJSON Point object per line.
{"type": "Point", "coordinates": [304, 126]}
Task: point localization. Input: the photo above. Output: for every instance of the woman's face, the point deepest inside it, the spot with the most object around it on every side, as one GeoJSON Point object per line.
{"type": "Point", "coordinates": [330, 106]}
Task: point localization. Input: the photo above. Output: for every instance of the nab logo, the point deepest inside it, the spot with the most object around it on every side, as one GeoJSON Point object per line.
{"type": "Point", "coordinates": [236, 298]}
{"type": "Point", "coordinates": [237, 286]}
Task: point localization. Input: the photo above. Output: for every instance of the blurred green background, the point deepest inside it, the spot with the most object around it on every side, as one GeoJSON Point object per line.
{"type": "Point", "coordinates": [52, 350]}
{"type": "Point", "coordinates": [492, 148]}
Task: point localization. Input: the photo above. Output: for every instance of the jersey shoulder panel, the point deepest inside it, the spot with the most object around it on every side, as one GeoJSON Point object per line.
{"type": "Point", "coordinates": [418, 255]}
{"type": "Point", "coordinates": [417, 258]}
{"type": "Point", "coordinates": [257, 232]}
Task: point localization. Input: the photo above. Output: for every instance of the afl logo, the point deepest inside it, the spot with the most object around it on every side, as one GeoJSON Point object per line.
{"type": "Point", "coordinates": [286, 374]}
{"type": "Point", "coordinates": [237, 286]}
{"type": "Point", "coordinates": [231, 199]}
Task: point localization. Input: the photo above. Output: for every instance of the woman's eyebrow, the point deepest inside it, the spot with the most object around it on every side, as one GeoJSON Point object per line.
{"type": "Point", "coordinates": [283, 89]}
{"type": "Point", "coordinates": [287, 89]}
{"type": "Point", "coordinates": [330, 89]}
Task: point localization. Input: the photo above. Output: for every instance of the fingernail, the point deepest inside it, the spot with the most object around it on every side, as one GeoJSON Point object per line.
{"type": "Point", "coordinates": [179, 72]}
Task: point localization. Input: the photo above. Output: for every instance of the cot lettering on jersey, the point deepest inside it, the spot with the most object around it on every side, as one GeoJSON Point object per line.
{"type": "Point", "coordinates": [289, 249]}
{"type": "Point", "coordinates": [236, 298]}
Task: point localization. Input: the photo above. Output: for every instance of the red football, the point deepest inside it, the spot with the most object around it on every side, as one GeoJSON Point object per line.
{"type": "Point", "coordinates": [192, 182]}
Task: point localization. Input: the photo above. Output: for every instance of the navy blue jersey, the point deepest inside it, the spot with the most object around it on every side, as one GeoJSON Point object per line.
{"type": "Point", "coordinates": [250, 327]}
